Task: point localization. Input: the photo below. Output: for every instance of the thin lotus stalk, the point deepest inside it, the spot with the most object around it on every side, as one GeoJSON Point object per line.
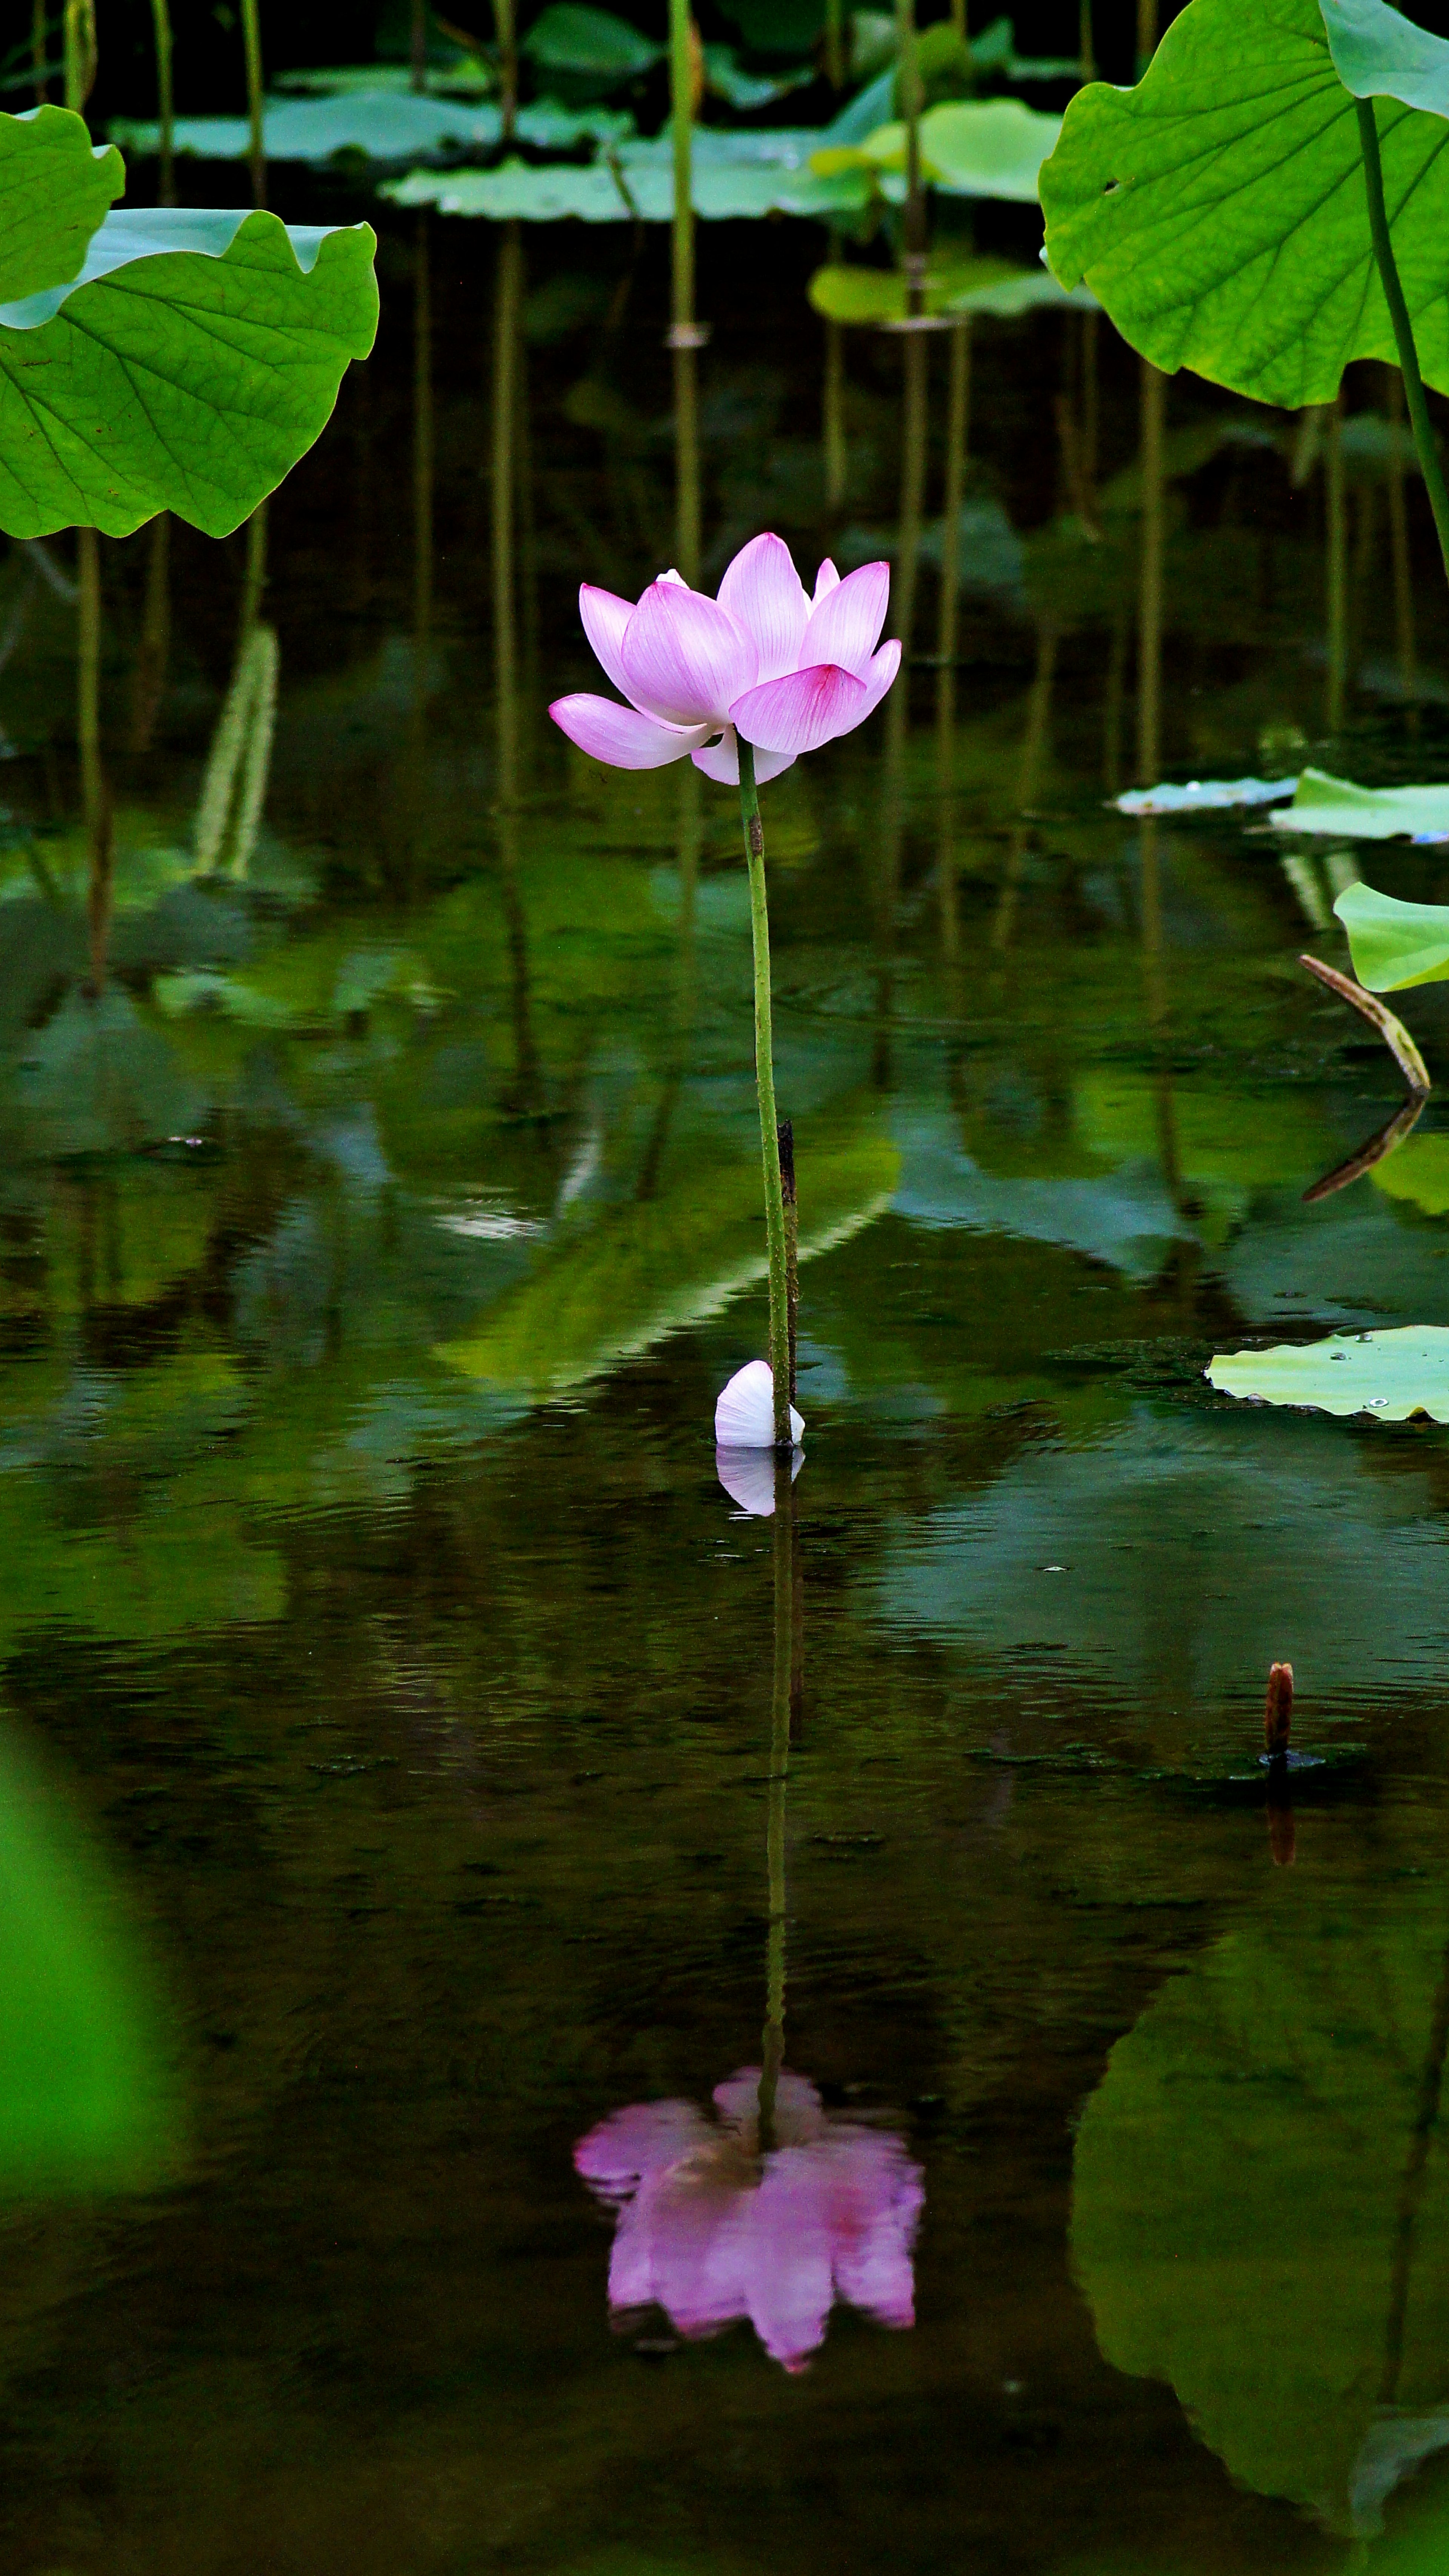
{"type": "Point", "coordinates": [913, 494]}
{"type": "Point", "coordinates": [908, 84]}
{"type": "Point", "coordinates": [958, 430]}
{"type": "Point", "coordinates": [257, 755]}
{"type": "Point", "coordinates": [1149, 597]}
{"type": "Point", "coordinates": [506, 314]}
{"type": "Point", "coordinates": [153, 652]}
{"type": "Point", "coordinates": [835, 44]}
{"type": "Point", "coordinates": [505, 29]}
{"type": "Point", "coordinates": [1336, 567]}
{"type": "Point", "coordinates": [1425, 443]}
{"type": "Point", "coordinates": [418, 45]}
{"type": "Point", "coordinates": [833, 437]}
{"type": "Point", "coordinates": [772, 2049]}
{"type": "Point", "coordinates": [1146, 34]}
{"type": "Point", "coordinates": [1404, 639]}
{"type": "Point", "coordinates": [39, 80]}
{"type": "Point", "coordinates": [256, 151]}
{"type": "Point", "coordinates": [254, 579]}
{"type": "Point", "coordinates": [1091, 410]}
{"type": "Point", "coordinates": [78, 28]}
{"type": "Point", "coordinates": [1378, 1015]}
{"type": "Point", "coordinates": [786, 1132]}
{"type": "Point", "coordinates": [88, 677]}
{"type": "Point", "coordinates": [1086, 48]}
{"type": "Point", "coordinates": [684, 334]}
{"type": "Point", "coordinates": [423, 445]}
{"type": "Point", "coordinates": [765, 1090]}
{"type": "Point", "coordinates": [1038, 724]}
{"type": "Point", "coordinates": [165, 103]}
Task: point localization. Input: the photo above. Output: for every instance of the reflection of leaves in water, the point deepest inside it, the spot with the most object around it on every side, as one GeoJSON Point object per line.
{"type": "Point", "coordinates": [1240, 2216]}
{"type": "Point", "coordinates": [86, 2100]}
{"type": "Point", "coordinates": [98, 1080]}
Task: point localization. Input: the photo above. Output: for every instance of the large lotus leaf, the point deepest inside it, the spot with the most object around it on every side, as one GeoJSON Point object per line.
{"type": "Point", "coordinates": [1218, 209]}
{"type": "Point", "coordinates": [379, 124]}
{"type": "Point", "coordinates": [1393, 943]}
{"type": "Point", "coordinates": [1241, 2177]}
{"type": "Point", "coordinates": [55, 188]}
{"type": "Point", "coordinates": [666, 1262]}
{"type": "Point", "coordinates": [195, 358]}
{"type": "Point", "coordinates": [570, 37]}
{"type": "Point", "coordinates": [87, 2096]}
{"type": "Point", "coordinates": [1379, 54]}
{"type": "Point", "coordinates": [1325, 804]}
{"type": "Point", "coordinates": [1396, 1373]}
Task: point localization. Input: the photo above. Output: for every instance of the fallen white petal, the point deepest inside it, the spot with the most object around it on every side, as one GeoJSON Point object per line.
{"type": "Point", "coordinates": [748, 1477]}
{"type": "Point", "coordinates": [744, 1417]}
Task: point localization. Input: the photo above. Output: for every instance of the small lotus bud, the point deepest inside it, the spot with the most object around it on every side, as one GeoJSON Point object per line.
{"type": "Point", "coordinates": [1278, 1716]}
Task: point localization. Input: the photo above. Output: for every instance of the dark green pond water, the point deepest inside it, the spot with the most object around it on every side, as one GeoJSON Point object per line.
{"type": "Point", "coordinates": [388, 1678]}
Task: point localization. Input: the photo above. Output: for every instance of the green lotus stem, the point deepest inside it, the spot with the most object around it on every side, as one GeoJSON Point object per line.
{"type": "Point", "coordinates": [509, 298]}
{"type": "Point", "coordinates": [1414, 395]}
{"type": "Point", "coordinates": [79, 35]}
{"type": "Point", "coordinates": [785, 1130]}
{"type": "Point", "coordinates": [88, 674]}
{"type": "Point", "coordinates": [834, 44]}
{"type": "Point", "coordinates": [165, 101]}
{"type": "Point", "coordinates": [505, 29]}
{"type": "Point", "coordinates": [1337, 568]}
{"type": "Point", "coordinates": [765, 1092]}
{"type": "Point", "coordinates": [1146, 34]}
{"type": "Point", "coordinates": [37, 52]}
{"type": "Point", "coordinates": [423, 444]}
{"type": "Point", "coordinates": [256, 154]}
{"type": "Point", "coordinates": [908, 85]}
{"type": "Point", "coordinates": [418, 45]}
{"type": "Point", "coordinates": [1149, 597]}
{"type": "Point", "coordinates": [1399, 542]}
{"type": "Point", "coordinates": [772, 2050]}
{"type": "Point", "coordinates": [1086, 49]}
{"type": "Point", "coordinates": [683, 336]}
{"type": "Point", "coordinates": [149, 677]}
{"type": "Point", "coordinates": [958, 415]}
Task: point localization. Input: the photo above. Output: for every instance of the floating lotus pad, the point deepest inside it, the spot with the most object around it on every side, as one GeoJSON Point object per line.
{"type": "Point", "coordinates": [1395, 1373]}
{"type": "Point", "coordinates": [1204, 796]}
{"type": "Point", "coordinates": [617, 191]}
{"type": "Point", "coordinates": [381, 124]}
{"type": "Point", "coordinates": [969, 148]}
{"type": "Point", "coordinates": [1326, 804]}
{"type": "Point", "coordinates": [190, 363]}
{"type": "Point", "coordinates": [1238, 2185]}
{"type": "Point", "coordinates": [848, 291]}
{"type": "Point", "coordinates": [1219, 210]}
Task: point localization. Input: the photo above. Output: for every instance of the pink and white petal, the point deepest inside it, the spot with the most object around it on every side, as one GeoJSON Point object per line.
{"type": "Point", "coordinates": [788, 2267]}
{"type": "Point", "coordinates": [630, 2145]}
{"type": "Point", "coordinates": [698, 2244]}
{"type": "Point", "coordinates": [826, 580]}
{"type": "Point", "coordinates": [801, 711]}
{"type": "Point", "coordinates": [845, 628]}
{"type": "Point", "coordinates": [622, 736]}
{"type": "Point", "coordinates": [875, 2204]}
{"type": "Point", "coordinates": [764, 593]}
{"type": "Point", "coordinates": [604, 619]}
{"type": "Point", "coordinates": [684, 658]}
{"type": "Point", "coordinates": [878, 675]}
{"type": "Point", "coordinates": [721, 761]}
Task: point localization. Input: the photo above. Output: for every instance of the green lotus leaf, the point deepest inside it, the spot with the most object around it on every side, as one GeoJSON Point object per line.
{"type": "Point", "coordinates": [991, 147]}
{"type": "Point", "coordinates": [1395, 1374]}
{"type": "Point", "coordinates": [636, 184]}
{"type": "Point", "coordinates": [1241, 2177]}
{"type": "Point", "coordinates": [1323, 803]}
{"type": "Point", "coordinates": [194, 359]}
{"type": "Point", "coordinates": [379, 124]}
{"type": "Point", "coordinates": [517, 192]}
{"type": "Point", "coordinates": [1394, 944]}
{"type": "Point", "coordinates": [1219, 211]}
{"type": "Point", "coordinates": [1379, 54]}
{"type": "Point", "coordinates": [569, 37]}
{"type": "Point", "coordinates": [55, 188]}
{"type": "Point", "coordinates": [848, 292]}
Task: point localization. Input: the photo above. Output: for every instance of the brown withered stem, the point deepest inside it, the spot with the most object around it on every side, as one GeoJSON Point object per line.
{"type": "Point", "coordinates": [1278, 1716]}
{"type": "Point", "coordinates": [1390, 1028]}
{"type": "Point", "coordinates": [1385, 1140]}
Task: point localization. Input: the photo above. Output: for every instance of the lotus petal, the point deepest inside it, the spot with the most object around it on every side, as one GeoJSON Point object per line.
{"type": "Point", "coordinates": [621, 735]}
{"type": "Point", "coordinates": [748, 1477]}
{"type": "Point", "coordinates": [827, 578]}
{"type": "Point", "coordinates": [604, 619]}
{"type": "Point", "coordinates": [684, 658]}
{"type": "Point", "coordinates": [803, 710]}
{"type": "Point", "coordinates": [744, 1417]}
{"type": "Point", "coordinates": [764, 593]}
{"type": "Point", "coordinates": [878, 674]}
{"type": "Point", "coordinates": [721, 761]}
{"type": "Point", "coordinates": [845, 628]}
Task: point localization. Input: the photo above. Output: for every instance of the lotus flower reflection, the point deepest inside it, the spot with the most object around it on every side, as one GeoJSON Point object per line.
{"type": "Point", "coordinates": [710, 2230]}
{"type": "Point", "coordinates": [762, 660]}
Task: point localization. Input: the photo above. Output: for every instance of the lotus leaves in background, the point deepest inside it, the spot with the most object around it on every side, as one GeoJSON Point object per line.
{"type": "Point", "coordinates": [1395, 1374]}
{"type": "Point", "coordinates": [381, 124]}
{"type": "Point", "coordinates": [733, 177]}
{"type": "Point", "coordinates": [588, 44]}
{"type": "Point", "coordinates": [1325, 804]}
{"type": "Point", "coordinates": [1241, 2181]}
{"type": "Point", "coordinates": [969, 148]}
{"type": "Point", "coordinates": [1219, 210]}
{"type": "Point", "coordinates": [847, 291]}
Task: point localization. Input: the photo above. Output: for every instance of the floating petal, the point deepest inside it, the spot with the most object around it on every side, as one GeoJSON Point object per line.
{"type": "Point", "coordinates": [744, 1417]}
{"type": "Point", "coordinates": [684, 658]}
{"type": "Point", "coordinates": [764, 594]}
{"type": "Point", "coordinates": [621, 735]}
{"type": "Point", "coordinates": [748, 1477]}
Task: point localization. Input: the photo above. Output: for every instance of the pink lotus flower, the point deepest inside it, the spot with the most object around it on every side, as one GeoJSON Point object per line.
{"type": "Point", "coordinates": [787, 672]}
{"type": "Point", "coordinates": [711, 2231]}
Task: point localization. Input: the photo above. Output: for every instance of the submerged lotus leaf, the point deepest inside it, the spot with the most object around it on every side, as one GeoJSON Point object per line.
{"type": "Point", "coordinates": [1219, 210]}
{"type": "Point", "coordinates": [1322, 803]}
{"type": "Point", "coordinates": [1394, 944]}
{"type": "Point", "coordinates": [54, 191]}
{"type": "Point", "coordinates": [1396, 1373]}
{"type": "Point", "coordinates": [86, 2094]}
{"type": "Point", "coordinates": [194, 359]}
{"type": "Point", "coordinates": [1240, 2181]}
